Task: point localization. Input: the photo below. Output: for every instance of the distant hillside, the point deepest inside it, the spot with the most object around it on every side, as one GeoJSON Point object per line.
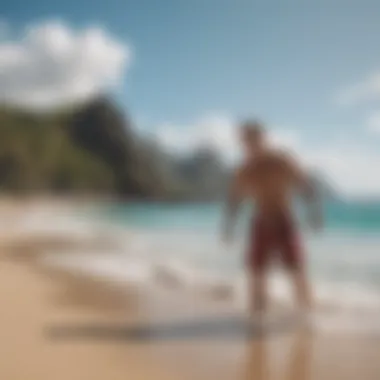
{"type": "Point", "coordinates": [93, 149]}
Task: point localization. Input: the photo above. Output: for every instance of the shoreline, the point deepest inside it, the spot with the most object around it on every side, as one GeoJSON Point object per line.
{"type": "Point", "coordinates": [60, 324]}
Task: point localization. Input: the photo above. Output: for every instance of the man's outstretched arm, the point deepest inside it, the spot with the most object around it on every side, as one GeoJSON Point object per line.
{"type": "Point", "coordinates": [311, 196]}
{"type": "Point", "coordinates": [234, 199]}
{"type": "Point", "coordinates": [309, 193]}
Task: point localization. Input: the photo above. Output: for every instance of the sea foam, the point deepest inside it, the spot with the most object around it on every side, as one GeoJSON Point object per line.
{"type": "Point", "coordinates": [193, 264]}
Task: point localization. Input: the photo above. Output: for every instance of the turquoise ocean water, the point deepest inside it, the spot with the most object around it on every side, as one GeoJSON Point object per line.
{"type": "Point", "coordinates": [347, 250]}
{"type": "Point", "coordinates": [181, 242]}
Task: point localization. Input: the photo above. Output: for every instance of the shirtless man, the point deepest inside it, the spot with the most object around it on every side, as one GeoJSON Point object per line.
{"type": "Point", "coordinates": [269, 177]}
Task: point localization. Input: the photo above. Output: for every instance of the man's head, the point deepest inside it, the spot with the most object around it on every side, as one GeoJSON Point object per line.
{"type": "Point", "coordinates": [252, 135]}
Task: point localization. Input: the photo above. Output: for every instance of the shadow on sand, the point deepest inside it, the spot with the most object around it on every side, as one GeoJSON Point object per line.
{"type": "Point", "coordinates": [222, 328]}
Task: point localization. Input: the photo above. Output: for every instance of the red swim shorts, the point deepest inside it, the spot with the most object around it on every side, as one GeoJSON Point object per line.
{"type": "Point", "coordinates": [273, 238]}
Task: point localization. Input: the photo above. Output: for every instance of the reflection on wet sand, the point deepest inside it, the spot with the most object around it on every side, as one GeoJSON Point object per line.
{"type": "Point", "coordinates": [260, 364]}
{"type": "Point", "coordinates": [257, 366]}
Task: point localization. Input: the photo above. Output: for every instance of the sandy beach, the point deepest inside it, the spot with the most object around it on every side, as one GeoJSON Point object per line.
{"type": "Point", "coordinates": [57, 325]}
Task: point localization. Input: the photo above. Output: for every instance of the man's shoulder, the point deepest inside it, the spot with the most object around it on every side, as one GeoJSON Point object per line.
{"type": "Point", "coordinates": [281, 156]}
{"type": "Point", "coordinates": [278, 154]}
{"type": "Point", "coordinates": [243, 170]}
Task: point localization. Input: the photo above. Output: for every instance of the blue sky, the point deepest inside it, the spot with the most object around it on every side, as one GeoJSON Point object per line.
{"type": "Point", "coordinates": [291, 64]}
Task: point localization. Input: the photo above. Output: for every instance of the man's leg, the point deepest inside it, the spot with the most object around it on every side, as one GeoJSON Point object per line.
{"type": "Point", "coordinates": [258, 292]}
{"type": "Point", "coordinates": [258, 296]}
{"type": "Point", "coordinates": [257, 266]}
{"type": "Point", "coordinates": [302, 289]}
{"type": "Point", "coordinates": [294, 259]}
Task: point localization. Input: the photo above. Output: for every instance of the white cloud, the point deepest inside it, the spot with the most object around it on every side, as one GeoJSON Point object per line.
{"type": "Point", "coordinates": [367, 89]}
{"type": "Point", "coordinates": [216, 131]}
{"type": "Point", "coordinates": [351, 164]}
{"type": "Point", "coordinates": [373, 122]}
{"type": "Point", "coordinates": [348, 166]}
{"type": "Point", "coordinates": [52, 65]}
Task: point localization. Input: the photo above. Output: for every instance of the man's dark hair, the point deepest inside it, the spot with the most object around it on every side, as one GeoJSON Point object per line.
{"type": "Point", "coordinates": [252, 128]}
